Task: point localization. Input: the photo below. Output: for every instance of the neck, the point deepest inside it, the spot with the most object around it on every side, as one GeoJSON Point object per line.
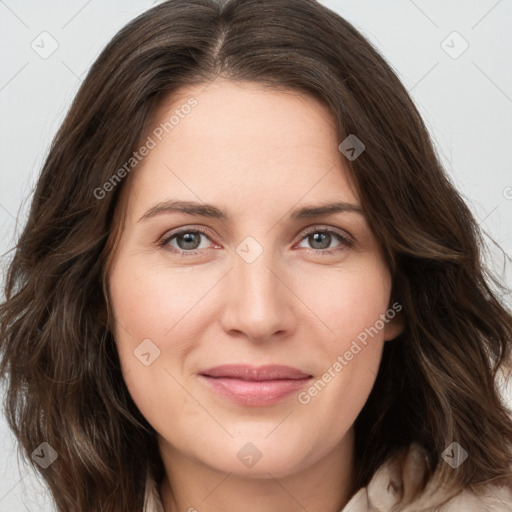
{"type": "Point", "coordinates": [324, 486]}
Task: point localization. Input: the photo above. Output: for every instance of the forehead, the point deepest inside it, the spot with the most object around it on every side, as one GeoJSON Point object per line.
{"type": "Point", "coordinates": [242, 142]}
{"type": "Point", "coordinates": [233, 112]}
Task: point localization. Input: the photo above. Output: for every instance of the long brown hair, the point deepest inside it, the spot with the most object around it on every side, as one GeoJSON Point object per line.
{"type": "Point", "coordinates": [437, 380]}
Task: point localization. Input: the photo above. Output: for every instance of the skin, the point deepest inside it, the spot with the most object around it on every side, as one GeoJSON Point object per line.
{"type": "Point", "coordinates": [258, 154]}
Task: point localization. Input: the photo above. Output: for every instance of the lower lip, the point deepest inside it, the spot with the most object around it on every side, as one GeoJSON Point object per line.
{"type": "Point", "coordinates": [254, 393]}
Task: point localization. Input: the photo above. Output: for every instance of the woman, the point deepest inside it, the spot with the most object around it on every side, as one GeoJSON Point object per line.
{"type": "Point", "coordinates": [246, 283]}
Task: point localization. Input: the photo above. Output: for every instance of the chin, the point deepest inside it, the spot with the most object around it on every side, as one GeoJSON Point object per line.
{"type": "Point", "coordinates": [259, 458]}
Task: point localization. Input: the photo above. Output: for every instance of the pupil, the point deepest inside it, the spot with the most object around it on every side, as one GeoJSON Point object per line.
{"type": "Point", "coordinates": [189, 239]}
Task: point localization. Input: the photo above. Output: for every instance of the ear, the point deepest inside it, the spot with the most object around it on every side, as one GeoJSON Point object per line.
{"type": "Point", "coordinates": [395, 324]}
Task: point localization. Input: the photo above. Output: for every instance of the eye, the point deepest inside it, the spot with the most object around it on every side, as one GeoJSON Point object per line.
{"type": "Point", "coordinates": [320, 240]}
{"type": "Point", "coordinates": [188, 241]}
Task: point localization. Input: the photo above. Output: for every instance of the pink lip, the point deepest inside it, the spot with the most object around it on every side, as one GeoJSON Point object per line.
{"type": "Point", "coordinates": [254, 386]}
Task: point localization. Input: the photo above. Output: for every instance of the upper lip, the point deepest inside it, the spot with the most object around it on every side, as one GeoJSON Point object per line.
{"type": "Point", "coordinates": [255, 373]}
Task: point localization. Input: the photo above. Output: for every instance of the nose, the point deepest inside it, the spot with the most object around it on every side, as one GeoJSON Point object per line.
{"type": "Point", "coordinates": [258, 301]}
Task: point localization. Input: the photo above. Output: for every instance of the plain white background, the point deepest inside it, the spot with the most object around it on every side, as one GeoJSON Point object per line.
{"type": "Point", "coordinates": [464, 95]}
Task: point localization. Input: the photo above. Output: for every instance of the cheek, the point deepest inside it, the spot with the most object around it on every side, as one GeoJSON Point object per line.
{"type": "Point", "coordinates": [348, 302]}
{"type": "Point", "coordinates": [152, 302]}
{"type": "Point", "coordinates": [136, 306]}
{"type": "Point", "coordinates": [141, 298]}
{"type": "Point", "coordinates": [145, 311]}
{"type": "Point", "coordinates": [156, 325]}
{"type": "Point", "coordinates": [351, 306]}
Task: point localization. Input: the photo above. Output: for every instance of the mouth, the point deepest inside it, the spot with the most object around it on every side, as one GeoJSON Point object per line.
{"type": "Point", "coordinates": [254, 386]}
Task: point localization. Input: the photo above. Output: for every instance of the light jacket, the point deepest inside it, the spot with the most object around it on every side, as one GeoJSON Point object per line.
{"type": "Point", "coordinates": [394, 488]}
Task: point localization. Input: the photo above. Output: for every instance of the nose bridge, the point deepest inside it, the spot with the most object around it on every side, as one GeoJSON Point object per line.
{"type": "Point", "coordinates": [257, 301]}
{"type": "Point", "coordinates": [256, 280]}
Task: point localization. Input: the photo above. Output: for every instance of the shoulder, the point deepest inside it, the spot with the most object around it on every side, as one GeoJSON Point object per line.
{"type": "Point", "coordinates": [400, 484]}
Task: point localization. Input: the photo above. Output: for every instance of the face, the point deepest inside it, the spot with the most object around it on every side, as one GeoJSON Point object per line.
{"type": "Point", "coordinates": [256, 279]}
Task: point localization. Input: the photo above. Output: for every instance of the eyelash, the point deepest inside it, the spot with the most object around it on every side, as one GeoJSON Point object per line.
{"type": "Point", "coordinates": [346, 241]}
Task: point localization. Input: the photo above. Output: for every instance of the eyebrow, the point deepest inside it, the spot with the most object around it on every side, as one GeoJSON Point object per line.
{"type": "Point", "coordinates": [211, 211]}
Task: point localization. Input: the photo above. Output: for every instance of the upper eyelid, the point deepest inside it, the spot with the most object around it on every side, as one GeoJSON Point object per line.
{"type": "Point", "coordinates": [322, 227]}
